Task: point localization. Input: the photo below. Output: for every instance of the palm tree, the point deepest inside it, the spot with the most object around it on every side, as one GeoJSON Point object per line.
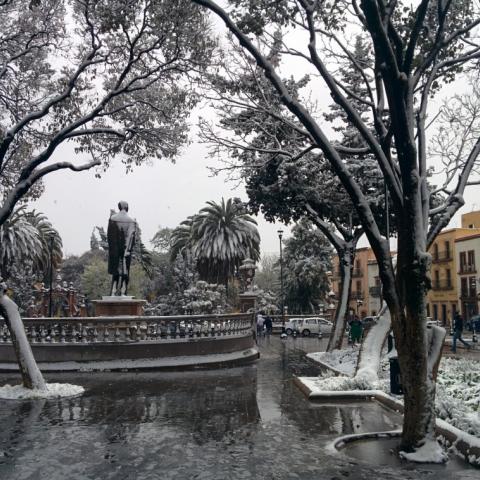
{"type": "Point", "coordinates": [28, 236]}
{"type": "Point", "coordinates": [219, 237]}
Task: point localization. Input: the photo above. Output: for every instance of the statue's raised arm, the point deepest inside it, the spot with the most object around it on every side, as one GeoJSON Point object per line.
{"type": "Point", "coordinates": [121, 239]}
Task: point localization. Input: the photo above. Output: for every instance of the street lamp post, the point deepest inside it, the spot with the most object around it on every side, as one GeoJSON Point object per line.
{"type": "Point", "coordinates": [50, 298]}
{"type": "Point", "coordinates": [280, 235]}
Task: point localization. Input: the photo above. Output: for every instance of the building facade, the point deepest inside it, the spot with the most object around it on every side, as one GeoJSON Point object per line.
{"type": "Point", "coordinates": [467, 254]}
{"type": "Point", "coordinates": [442, 299]}
{"type": "Point", "coordinates": [453, 273]}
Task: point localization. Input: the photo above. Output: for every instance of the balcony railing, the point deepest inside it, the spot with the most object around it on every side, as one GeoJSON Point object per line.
{"type": "Point", "coordinates": [89, 330]}
{"type": "Point", "coordinates": [375, 291]}
{"type": "Point", "coordinates": [444, 256]}
{"type": "Point", "coordinates": [467, 268]}
{"type": "Point", "coordinates": [356, 295]}
{"type": "Point", "coordinates": [443, 284]}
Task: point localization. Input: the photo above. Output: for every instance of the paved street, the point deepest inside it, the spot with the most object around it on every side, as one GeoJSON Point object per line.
{"type": "Point", "coordinates": [242, 423]}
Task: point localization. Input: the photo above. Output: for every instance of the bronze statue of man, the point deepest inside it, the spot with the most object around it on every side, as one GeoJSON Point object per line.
{"type": "Point", "coordinates": [121, 239]}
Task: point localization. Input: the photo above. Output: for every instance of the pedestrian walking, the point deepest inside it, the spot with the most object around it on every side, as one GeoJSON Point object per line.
{"type": "Point", "coordinates": [268, 324]}
{"type": "Point", "coordinates": [260, 323]}
{"type": "Point", "coordinates": [457, 332]}
{"type": "Point", "coordinates": [356, 329]}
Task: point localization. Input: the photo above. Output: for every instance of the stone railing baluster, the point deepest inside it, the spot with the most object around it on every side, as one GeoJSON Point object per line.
{"type": "Point", "coordinates": [74, 334]}
{"type": "Point", "coordinates": [43, 334]}
{"type": "Point", "coordinates": [84, 334]}
{"type": "Point", "coordinates": [106, 333]}
{"type": "Point", "coordinates": [62, 333]}
{"type": "Point", "coordinates": [116, 335]}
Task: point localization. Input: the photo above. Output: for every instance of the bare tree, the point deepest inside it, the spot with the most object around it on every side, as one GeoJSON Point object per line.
{"type": "Point", "coordinates": [262, 143]}
{"type": "Point", "coordinates": [416, 48]}
{"type": "Point", "coordinates": [109, 76]}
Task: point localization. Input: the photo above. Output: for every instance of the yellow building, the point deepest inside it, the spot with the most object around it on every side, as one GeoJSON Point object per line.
{"type": "Point", "coordinates": [452, 281]}
{"type": "Point", "coordinates": [443, 298]}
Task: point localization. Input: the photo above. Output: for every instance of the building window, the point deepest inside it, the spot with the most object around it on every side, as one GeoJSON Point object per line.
{"type": "Point", "coordinates": [447, 249]}
{"type": "Point", "coordinates": [444, 314]}
{"type": "Point", "coordinates": [435, 311]}
{"type": "Point", "coordinates": [449, 278]}
{"type": "Point", "coordinates": [359, 286]}
{"type": "Point", "coordinates": [464, 288]}
{"type": "Point", "coordinates": [472, 282]}
{"type": "Point", "coordinates": [463, 261]}
{"type": "Point", "coordinates": [471, 258]}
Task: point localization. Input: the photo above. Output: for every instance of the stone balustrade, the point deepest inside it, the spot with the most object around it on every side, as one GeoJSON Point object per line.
{"type": "Point", "coordinates": [125, 342]}
{"type": "Point", "coordinates": [130, 329]}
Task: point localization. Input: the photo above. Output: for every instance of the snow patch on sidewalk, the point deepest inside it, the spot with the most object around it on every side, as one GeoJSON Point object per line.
{"type": "Point", "coordinates": [429, 452]}
{"type": "Point", "coordinates": [52, 390]}
{"type": "Point", "coordinates": [457, 399]}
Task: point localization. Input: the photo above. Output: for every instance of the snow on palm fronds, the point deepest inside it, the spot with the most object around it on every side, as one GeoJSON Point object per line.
{"type": "Point", "coordinates": [219, 237]}
{"type": "Point", "coordinates": [27, 236]}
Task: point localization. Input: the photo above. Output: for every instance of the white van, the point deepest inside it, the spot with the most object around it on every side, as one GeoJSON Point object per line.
{"type": "Point", "coordinates": [308, 326]}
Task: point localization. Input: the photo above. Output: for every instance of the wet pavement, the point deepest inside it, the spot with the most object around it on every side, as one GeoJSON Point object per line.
{"type": "Point", "coordinates": [242, 423]}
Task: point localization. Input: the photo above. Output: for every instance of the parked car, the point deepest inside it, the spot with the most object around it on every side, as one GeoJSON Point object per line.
{"type": "Point", "coordinates": [309, 326]}
{"type": "Point", "coordinates": [367, 322]}
{"type": "Point", "coordinates": [292, 325]}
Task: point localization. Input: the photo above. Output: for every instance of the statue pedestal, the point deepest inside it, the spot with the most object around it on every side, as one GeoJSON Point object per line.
{"type": "Point", "coordinates": [248, 301]}
{"type": "Point", "coordinates": [113, 306]}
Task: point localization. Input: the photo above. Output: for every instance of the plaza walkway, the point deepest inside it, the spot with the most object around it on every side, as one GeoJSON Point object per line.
{"type": "Point", "coordinates": [243, 423]}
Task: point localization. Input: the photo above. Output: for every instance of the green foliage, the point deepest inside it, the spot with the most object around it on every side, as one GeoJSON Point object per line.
{"type": "Point", "coordinates": [73, 266]}
{"type": "Point", "coordinates": [96, 282]}
{"type": "Point", "coordinates": [267, 277]}
{"type": "Point", "coordinates": [204, 298]}
{"type": "Point", "coordinates": [219, 238]}
{"type": "Point", "coordinates": [27, 237]}
{"type": "Point", "coordinates": [161, 239]}
{"type": "Point", "coordinates": [307, 258]}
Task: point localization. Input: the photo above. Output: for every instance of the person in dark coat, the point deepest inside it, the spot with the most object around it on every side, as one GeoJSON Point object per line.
{"type": "Point", "coordinates": [121, 239]}
{"type": "Point", "coordinates": [268, 324]}
{"type": "Point", "coordinates": [457, 332]}
{"type": "Point", "coordinates": [356, 329]}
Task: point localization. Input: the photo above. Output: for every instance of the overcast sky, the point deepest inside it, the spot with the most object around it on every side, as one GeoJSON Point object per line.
{"type": "Point", "coordinates": [163, 194]}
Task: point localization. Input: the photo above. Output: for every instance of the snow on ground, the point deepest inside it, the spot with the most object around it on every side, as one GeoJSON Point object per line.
{"type": "Point", "coordinates": [458, 385]}
{"type": "Point", "coordinates": [53, 390]}
{"type": "Point", "coordinates": [429, 452]}
{"type": "Point", "coordinates": [458, 394]}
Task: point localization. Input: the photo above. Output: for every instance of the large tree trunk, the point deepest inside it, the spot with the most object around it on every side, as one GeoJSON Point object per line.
{"type": "Point", "coordinates": [31, 375]}
{"type": "Point", "coordinates": [346, 257]}
{"type": "Point", "coordinates": [409, 326]}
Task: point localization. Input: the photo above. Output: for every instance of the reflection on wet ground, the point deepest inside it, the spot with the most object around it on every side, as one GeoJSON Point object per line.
{"type": "Point", "coordinates": [246, 422]}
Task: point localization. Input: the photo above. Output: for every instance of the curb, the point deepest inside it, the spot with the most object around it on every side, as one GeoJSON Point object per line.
{"type": "Point", "coordinates": [461, 443]}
